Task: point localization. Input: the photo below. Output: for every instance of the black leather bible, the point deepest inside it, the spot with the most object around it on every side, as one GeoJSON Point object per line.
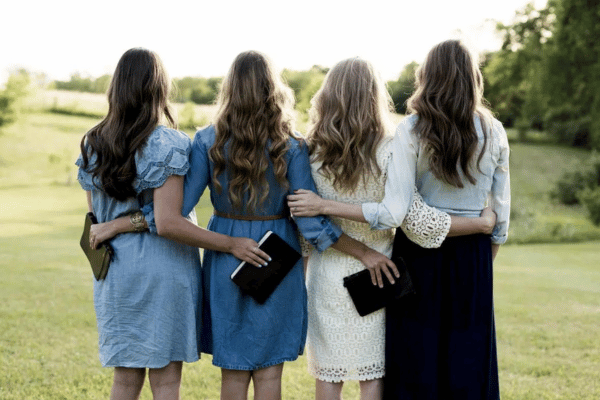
{"type": "Point", "coordinates": [368, 298]}
{"type": "Point", "coordinates": [260, 282]}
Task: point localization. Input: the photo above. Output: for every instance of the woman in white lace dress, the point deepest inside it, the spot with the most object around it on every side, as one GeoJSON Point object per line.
{"type": "Point", "coordinates": [350, 152]}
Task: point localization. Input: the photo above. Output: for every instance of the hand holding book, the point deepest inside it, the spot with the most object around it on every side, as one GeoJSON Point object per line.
{"type": "Point", "coordinates": [260, 281]}
{"type": "Point", "coordinates": [248, 250]}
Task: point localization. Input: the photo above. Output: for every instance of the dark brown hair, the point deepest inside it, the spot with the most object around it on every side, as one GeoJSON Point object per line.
{"type": "Point", "coordinates": [137, 100]}
{"type": "Point", "coordinates": [448, 95]}
{"type": "Point", "coordinates": [350, 117]}
{"type": "Point", "coordinates": [253, 125]}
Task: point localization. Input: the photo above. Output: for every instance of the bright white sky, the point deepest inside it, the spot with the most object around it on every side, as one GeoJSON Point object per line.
{"type": "Point", "coordinates": [201, 38]}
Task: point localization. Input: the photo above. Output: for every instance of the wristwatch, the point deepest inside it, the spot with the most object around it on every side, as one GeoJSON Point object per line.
{"type": "Point", "coordinates": [137, 220]}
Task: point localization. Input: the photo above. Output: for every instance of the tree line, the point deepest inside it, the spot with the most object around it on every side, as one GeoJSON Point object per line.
{"type": "Point", "coordinates": [546, 75]}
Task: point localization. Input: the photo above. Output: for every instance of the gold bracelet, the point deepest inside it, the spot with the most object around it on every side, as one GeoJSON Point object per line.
{"type": "Point", "coordinates": [137, 220]}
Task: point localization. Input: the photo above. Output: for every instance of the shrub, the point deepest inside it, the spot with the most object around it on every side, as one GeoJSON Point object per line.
{"type": "Point", "coordinates": [590, 198]}
{"type": "Point", "coordinates": [586, 176]}
{"type": "Point", "coordinates": [188, 120]}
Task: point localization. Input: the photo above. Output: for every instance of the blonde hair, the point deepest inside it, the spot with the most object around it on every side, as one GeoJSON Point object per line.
{"type": "Point", "coordinates": [253, 124]}
{"type": "Point", "coordinates": [350, 117]}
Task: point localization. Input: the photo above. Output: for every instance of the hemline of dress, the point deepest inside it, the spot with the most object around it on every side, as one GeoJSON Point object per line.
{"type": "Point", "coordinates": [348, 378]}
{"type": "Point", "coordinates": [152, 366]}
{"type": "Point", "coordinates": [247, 368]}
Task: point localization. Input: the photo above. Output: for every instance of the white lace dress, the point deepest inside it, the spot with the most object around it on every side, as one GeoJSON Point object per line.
{"type": "Point", "coordinates": [341, 345]}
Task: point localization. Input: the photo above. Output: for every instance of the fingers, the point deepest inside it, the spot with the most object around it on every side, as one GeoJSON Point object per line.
{"type": "Point", "coordinates": [392, 266]}
{"type": "Point", "coordinates": [253, 255]}
{"type": "Point", "coordinates": [387, 268]}
{"type": "Point", "coordinates": [388, 274]}
{"type": "Point", "coordinates": [379, 278]}
{"type": "Point", "coordinates": [262, 256]}
{"type": "Point", "coordinates": [373, 276]}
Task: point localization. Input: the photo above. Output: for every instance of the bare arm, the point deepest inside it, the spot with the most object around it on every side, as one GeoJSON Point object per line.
{"type": "Point", "coordinates": [375, 262]}
{"type": "Point", "coordinates": [107, 230]}
{"type": "Point", "coordinates": [170, 224]}
{"type": "Point", "coordinates": [469, 226]}
{"type": "Point", "coordinates": [495, 248]}
{"type": "Point", "coordinates": [88, 196]}
{"type": "Point", "coordinates": [305, 203]}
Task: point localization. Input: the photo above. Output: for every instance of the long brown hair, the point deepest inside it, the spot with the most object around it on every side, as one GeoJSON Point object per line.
{"type": "Point", "coordinates": [253, 124]}
{"type": "Point", "coordinates": [350, 117]}
{"type": "Point", "coordinates": [137, 99]}
{"type": "Point", "coordinates": [449, 93]}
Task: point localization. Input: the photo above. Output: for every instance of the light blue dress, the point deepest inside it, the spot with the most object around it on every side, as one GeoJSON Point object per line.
{"type": "Point", "coordinates": [240, 333]}
{"type": "Point", "coordinates": [147, 308]}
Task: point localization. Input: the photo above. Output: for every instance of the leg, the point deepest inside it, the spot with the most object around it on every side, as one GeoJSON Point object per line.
{"type": "Point", "coordinates": [371, 390]}
{"type": "Point", "coordinates": [165, 382]}
{"type": "Point", "coordinates": [267, 383]}
{"type": "Point", "coordinates": [127, 383]}
{"type": "Point", "coordinates": [329, 390]}
{"type": "Point", "coordinates": [234, 384]}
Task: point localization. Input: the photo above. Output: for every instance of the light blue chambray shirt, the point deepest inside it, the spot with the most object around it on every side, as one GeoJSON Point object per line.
{"type": "Point", "coordinates": [409, 166]}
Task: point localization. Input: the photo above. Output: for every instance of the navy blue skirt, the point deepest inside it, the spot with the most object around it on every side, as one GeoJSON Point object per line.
{"type": "Point", "coordinates": [441, 342]}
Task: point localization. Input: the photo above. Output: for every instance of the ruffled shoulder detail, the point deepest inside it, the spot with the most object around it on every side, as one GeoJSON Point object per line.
{"type": "Point", "coordinates": [83, 176]}
{"type": "Point", "coordinates": [166, 153]}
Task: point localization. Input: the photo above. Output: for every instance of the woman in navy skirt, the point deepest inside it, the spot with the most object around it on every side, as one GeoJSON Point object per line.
{"type": "Point", "coordinates": [440, 344]}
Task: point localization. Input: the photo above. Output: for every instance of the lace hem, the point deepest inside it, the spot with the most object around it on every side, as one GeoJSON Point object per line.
{"type": "Point", "coordinates": [425, 225]}
{"type": "Point", "coordinates": [332, 374]}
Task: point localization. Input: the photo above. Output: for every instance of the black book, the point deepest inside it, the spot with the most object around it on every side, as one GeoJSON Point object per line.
{"type": "Point", "coordinates": [260, 282]}
{"type": "Point", "coordinates": [368, 298]}
{"type": "Point", "coordinates": [99, 258]}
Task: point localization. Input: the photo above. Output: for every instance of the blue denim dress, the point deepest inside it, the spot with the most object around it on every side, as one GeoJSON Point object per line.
{"type": "Point", "coordinates": [240, 333]}
{"type": "Point", "coordinates": [147, 308]}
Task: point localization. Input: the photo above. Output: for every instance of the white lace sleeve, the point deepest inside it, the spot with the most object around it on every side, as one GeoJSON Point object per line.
{"type": "Point", "coordinates": [305, 246]}
{"type": "Point", "coordinates": [425, 225]}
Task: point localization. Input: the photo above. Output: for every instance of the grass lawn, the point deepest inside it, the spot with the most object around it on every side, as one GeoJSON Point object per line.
{"type": "Point", "coordinates": [547, 313]}
{"type": "Point", "coordinates": [547, 296]}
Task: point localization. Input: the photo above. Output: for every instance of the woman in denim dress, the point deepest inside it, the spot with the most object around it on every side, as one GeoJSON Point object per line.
{"type": "Point", "coordinates": [148, 306]}
{"type": "Point", "coordinates": [251, 159]}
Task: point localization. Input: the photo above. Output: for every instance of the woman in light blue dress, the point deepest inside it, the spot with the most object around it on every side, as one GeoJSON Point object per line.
{"type": "Point", "coordinates": [251, 159]}
{"type": "Point", "coordinates": [147, 307]}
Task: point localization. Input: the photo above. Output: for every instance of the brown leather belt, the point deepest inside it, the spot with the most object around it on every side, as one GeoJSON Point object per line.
{"type": "Point", "coordinates": [249, 217]}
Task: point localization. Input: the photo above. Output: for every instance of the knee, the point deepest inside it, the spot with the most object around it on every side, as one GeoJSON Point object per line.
{"type": "Point", "coordinates": [167, 376]}
{"type": "Point", "coordinates": [268, 374]}
{"type": "Point", "coordinates": [130, 377]}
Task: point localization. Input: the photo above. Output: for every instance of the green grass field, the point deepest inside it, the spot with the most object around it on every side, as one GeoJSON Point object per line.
{"type": "Point", "coordinates": [547, 296]}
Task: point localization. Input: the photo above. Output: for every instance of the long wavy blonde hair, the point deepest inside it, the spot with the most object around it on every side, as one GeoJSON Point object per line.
{"type": "Point", "coordinates": [350, 117]}
{"type": "Point", "coordinates": [449, 92]}
{"type": "Point", "coordinates": [253, 125]}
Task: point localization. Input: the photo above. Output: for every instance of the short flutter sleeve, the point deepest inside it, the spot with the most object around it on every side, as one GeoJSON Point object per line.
{"type": "Point", "coordinates": [83, 175]}
{"type": "Point", "coordinates": [166, 153]}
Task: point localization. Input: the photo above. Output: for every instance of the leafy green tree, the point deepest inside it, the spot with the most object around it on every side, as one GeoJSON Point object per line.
{"type": "Point", "coordinates": [402, 88]}
{"type": "Point", "coordinates": [514, 74]}
{"type": "Point", "coordinates": [573, 80]}
{"type": "Point", "coordinates": [196, 89]}
{"type": "Point", "coordinates": [305, 84]}
{"type": "Point", "coordinates": [16, 88]}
